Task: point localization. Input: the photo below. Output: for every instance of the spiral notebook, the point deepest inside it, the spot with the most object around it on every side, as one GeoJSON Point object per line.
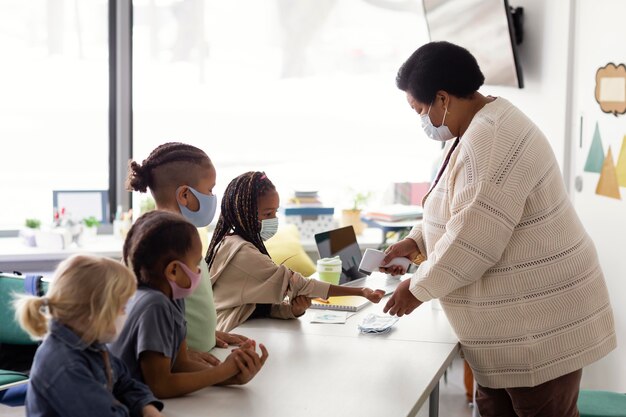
{"type": "Point", "coordinates": [345, 303]}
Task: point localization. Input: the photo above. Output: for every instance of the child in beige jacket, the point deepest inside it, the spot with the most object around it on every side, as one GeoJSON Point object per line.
{"type": "Point", "coordinates": [246, 282]}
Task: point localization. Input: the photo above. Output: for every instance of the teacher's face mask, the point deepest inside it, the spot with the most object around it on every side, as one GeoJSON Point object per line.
{"type": "Point", "coordinates": [438, 133]}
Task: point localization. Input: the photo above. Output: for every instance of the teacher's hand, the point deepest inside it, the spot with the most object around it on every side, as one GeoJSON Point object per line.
{"type": "Point", "coordinates": [406, 248]}
{"type": "Point", "coordinates": [402, 301]}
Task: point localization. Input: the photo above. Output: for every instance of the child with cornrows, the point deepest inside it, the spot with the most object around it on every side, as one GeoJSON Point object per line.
{"type": "Point", "coordinates": [164, 251]}
{"type": "Point", "coordinates": [246, 282]}
{"type": "Point", "coordinates": [181, 178]}
{"type": "Point", "coordinates": [73, 373]}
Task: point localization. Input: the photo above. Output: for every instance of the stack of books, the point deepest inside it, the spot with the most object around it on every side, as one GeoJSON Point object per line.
{"type": "Point", "coordinates": [305, 198]}
{"type": "Point", "coordinates": [306, 211]}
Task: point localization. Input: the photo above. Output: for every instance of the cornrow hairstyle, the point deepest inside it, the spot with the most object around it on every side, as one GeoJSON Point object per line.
{"type": "Point", "coordinates": [140, 177]}
{"type": "Point", "coordinates": [156, 239]}
{"type": "Point", "coordinates": [239, 212]}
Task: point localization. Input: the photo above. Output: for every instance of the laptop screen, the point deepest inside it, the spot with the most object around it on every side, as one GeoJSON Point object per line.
{"type": "Point", "coordinates": [341, 242]}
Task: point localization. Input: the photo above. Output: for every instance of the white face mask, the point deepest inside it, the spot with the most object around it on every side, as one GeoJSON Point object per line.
{"type": "Point", "coordinates": [269, 227]}
{"type": "Point", "coordinates": [441, 133]}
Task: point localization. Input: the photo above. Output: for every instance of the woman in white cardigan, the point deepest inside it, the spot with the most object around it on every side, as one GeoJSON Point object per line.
{"type": "Point", "coordinates": [501, 245]}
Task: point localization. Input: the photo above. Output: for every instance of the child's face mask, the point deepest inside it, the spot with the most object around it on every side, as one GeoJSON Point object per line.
{"type": "Point", "coordinates": [207, 203]}
{"type": "Point", "coordinates": [179, 292]}
{"type": "Point", "coordinates": [269, 227]}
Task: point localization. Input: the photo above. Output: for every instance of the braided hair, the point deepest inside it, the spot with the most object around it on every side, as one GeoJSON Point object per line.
{"type": "Point", "coordinates": [239, 212]}
{"type": "Point", "coordinates": [156, 239]}
{"type": "Point", "coordinates": [141, 177]}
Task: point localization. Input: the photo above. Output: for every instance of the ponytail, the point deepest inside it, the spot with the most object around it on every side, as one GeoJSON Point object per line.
{"type": "Point", "coordinates": [29, 312]}
{"type": "Point", "coordinates": [138, 177]}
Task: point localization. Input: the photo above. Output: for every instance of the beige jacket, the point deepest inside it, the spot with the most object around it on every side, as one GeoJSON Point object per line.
{"type": "Point", "coordinates": [242, 277]}
{"type": "Point", "coordinates": [518, 276]}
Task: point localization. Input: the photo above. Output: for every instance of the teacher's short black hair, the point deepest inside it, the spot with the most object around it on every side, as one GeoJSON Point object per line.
{"type": "Point", "coordinates": [440, 66]}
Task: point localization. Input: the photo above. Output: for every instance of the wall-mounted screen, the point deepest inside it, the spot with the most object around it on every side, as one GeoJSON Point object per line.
{"type": "Point", "coordinates": [485, 28]}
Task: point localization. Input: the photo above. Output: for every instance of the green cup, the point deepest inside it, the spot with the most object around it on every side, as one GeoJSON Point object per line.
{"type": "Point", "coordinates": [329, 270]}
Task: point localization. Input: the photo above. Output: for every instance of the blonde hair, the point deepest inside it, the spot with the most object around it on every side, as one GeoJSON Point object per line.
{"type": "Point", "coordinates": [86, 294]}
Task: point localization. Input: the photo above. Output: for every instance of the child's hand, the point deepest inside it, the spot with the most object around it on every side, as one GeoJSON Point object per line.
{"type": "Point", "coordinates": [249, 364]}
{"type": "Point", "coordinates": [299, 305]}
{"type": "Point", "coordinates": [373, 296]}
{"type": "Point", "coordinates": [223, 339]}
{"type": "Point", "coordinates": [151, 411]}
{"type": "Point", "coordinates": [202, 357]}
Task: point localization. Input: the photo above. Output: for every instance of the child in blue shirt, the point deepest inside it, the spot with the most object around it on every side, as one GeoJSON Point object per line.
{"type": "Point", "coordinates": [164, 251]}
{"type": "Point", "coordinates": [73, 373]}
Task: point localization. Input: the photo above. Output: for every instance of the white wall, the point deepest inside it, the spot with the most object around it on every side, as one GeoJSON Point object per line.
{"type": "Point", "coordinates": [544, 60]}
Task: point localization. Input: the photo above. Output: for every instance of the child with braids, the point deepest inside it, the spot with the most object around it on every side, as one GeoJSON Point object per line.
{"type": "Point", "coordinates": [164, 251]}
{"type": "Point", "coordinates": [181, 178]}
{"type": "Point", "coordinates": [73, 374]}
{"type": "Point", "coordinates": [246, 283]}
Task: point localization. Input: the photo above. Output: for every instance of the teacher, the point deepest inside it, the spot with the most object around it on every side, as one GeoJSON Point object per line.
{"type": "Point", "coordinates": [501, 245]}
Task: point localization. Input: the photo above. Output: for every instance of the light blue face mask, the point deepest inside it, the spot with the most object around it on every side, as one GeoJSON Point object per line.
{"type": "Point", "coordinates": [439, 133]}
{"type": "Point", "coordinates": [269, 227]}
{"type": "Point", "coordinates": [206, 210]}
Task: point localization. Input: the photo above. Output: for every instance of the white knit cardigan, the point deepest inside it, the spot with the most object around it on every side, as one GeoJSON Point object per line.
{"type": "Point", "coordinates": [517, 274]}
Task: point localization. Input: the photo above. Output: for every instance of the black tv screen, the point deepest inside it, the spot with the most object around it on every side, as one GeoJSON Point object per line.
{"type": "Point", "coordinates": [485, 28]}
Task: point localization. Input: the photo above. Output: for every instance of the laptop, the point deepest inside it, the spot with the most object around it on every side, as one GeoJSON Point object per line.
{"type": "Point", "coordinates": [342, 242]}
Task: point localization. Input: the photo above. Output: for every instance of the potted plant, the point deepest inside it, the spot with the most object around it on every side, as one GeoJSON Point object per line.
{"type": "Point", "coordinates": [90, 228]}
{"type": "Point", "coordinates": [352, 216]}
{"type": "Point", "coordinates": [28, 232]}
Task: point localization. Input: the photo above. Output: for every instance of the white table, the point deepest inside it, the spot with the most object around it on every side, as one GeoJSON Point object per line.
{"type": "Point", "coordinates": [425, 324]}
{"type": "Point", "coordinates": [315, 375]}
{"type": "Point", "coordinates": [332, 369]}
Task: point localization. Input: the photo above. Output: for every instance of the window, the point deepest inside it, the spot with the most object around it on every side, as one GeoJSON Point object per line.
{"type": "Point", "coordinates": [54, 104]}
{"type": "Point", "coordinates": [304, 90]}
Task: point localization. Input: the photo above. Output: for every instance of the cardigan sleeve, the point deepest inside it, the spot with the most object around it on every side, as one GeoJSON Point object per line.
{"type": "Point", "coordinates": [266, 282]}
{"type": "Point", "coordinates": [477, 233]}
{"type": "Point", "coordinates": [416, 235]}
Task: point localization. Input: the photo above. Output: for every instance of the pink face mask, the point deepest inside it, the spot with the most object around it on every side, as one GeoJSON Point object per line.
{"type": "Point", "coordinates": [179, 292]}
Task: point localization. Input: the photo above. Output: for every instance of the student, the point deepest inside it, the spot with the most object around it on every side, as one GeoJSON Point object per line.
{"type": "Point", "coordinates": [73, 373]}
{"type": "Point", "coordinates": [181, 178]}
{"type": "Point", "coordinates": [246, 283]}
{"type": "Point", "coordinates": [164, 251]}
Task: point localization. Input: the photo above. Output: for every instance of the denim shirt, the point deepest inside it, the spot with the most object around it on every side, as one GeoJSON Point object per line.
{"type": "Point", "coordinates": [69, 378]}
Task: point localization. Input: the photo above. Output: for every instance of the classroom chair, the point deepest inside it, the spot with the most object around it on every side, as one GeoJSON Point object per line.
{"type": "Point", "coordinates": [601, 404]}
{"type": "Point", "coordinates": [11, 334]}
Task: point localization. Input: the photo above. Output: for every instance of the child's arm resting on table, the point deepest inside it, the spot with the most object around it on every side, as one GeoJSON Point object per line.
{"type": "Point", "coordinates": [185, 376]}
{"type": "Point", "coordinates": [339, 290]}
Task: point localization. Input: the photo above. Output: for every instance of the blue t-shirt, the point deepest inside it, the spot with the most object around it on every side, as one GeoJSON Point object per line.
{"type": "Point", "coordinates": [69, 379]}
{"type": "Point", "coordinates": [155, 323]}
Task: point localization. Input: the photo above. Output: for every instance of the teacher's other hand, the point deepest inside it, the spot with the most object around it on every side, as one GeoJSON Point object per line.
{"type": "Point", "coordinates": [402, 301]}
